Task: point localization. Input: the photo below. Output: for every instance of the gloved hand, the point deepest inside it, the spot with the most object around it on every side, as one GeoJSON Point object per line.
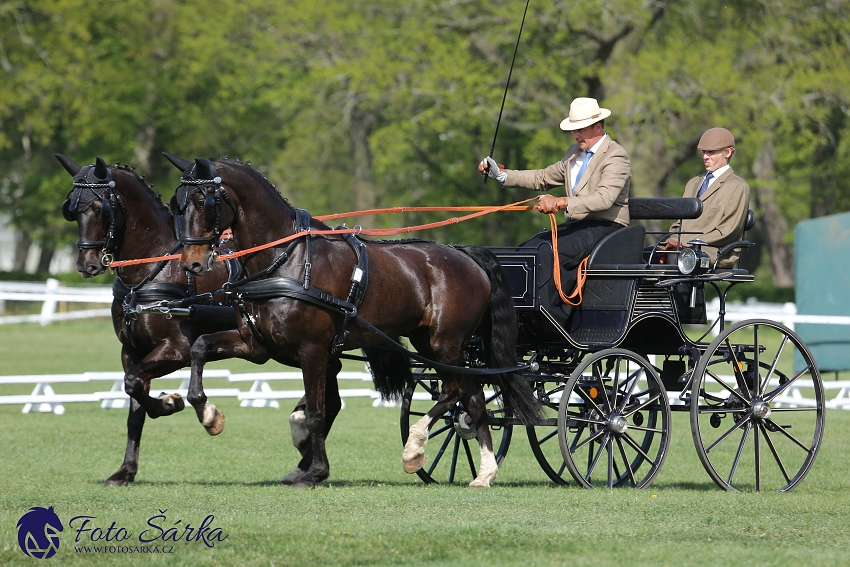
{"type": "Point", "coordinates": [490, 168]}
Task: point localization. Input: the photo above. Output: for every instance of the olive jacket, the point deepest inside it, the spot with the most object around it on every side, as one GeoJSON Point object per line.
{"type": "Point", "coordinates": [724, 212]}
{"type": "Point", "coordinates": [602, 192]}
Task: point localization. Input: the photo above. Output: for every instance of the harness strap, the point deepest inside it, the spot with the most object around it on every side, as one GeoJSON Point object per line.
{"type": "Point", "coordinates": [287, 287]}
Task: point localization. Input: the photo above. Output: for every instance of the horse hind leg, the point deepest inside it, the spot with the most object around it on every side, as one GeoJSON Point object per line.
{"type": "Point", "coordinates": [488, 467]}
{"type": "Point", "coordinates": [413, 455]}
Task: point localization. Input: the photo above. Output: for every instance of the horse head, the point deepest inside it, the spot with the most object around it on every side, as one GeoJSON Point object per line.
{"type": "Point", "coordinates": [99, 211]}
{"type": "Point", "coordinates": [207, 209]}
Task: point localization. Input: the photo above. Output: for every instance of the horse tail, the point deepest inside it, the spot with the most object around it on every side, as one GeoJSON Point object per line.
{"type": "Point", "coordinates": [390, 371]}
{"type": "Point", "coordinates": [499, 334]}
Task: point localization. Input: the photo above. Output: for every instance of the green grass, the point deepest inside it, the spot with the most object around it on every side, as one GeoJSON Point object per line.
{"type": "Point", "coordinates": [370, 512]}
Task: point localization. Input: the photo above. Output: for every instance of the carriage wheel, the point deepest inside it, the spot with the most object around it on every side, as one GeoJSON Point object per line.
{"type": "Point", "coordinates": [614, 421]}
{"type": "Point", "coordinates": [543, 437]}
{"type": "Point", "coordinates": [750, 431]}
{"type": "Point", "coordinates": [452, 447]}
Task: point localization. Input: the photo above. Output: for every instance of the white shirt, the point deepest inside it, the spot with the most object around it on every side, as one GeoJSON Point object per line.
{"type": "Point", "coordinates": [580, 160]}
{"type": "Point", "coordinates": [717, 173]}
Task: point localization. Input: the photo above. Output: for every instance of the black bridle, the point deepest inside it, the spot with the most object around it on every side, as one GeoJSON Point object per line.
{"type": "Point", "coordinates": [110, 201]}
{"type": "Point", "coordinates": [214, 195]}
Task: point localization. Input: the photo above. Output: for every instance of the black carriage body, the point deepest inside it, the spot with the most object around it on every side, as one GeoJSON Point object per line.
{"type": "Point", "coordinates": [628, 301]}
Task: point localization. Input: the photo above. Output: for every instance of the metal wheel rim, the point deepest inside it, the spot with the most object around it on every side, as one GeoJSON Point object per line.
{"type": "Point", "coordinates": [750, 451]}
{"type": "Point", "coordinates": [583, 423]}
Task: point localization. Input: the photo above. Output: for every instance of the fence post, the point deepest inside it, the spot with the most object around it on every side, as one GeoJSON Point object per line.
{"type": "Point", "coordinates": [48, 308]}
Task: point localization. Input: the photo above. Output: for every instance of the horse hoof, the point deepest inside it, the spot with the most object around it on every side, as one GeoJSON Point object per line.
{"type": "Point", "coordinates": [477, 483]}
{"type": "Point", "coordinates": [415, 463]}
{"type": "Point", "coordinates": [173, 402]}
{"type": "Point", "coordinates": [292, 476]}
{"type": "Point", "coordinates": [213, 420]}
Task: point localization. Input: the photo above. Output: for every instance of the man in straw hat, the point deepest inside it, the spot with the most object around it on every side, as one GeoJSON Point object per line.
{"type": "Point", "coordinates": [725, 200]}
{"type": "Point", "coordinates": [595, 175]}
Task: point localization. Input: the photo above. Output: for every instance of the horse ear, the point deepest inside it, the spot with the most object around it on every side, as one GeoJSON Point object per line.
{"type": "Point", "coordinates": [101, 171]}
{"type": "Point", "coordinates": [68, 164]}
{"type": "Point", "coordinates": [177, 161]}
{"type": "Point", "coordinates": [206, 169]}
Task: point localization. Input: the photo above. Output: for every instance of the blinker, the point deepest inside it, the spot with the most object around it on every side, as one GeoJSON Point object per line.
{"type": "Point", "coordinates": [106, 211]}
{"type": "Point", "coordinates": [66, 211]}
{"type": "Point", "coordinates": [209, 211]}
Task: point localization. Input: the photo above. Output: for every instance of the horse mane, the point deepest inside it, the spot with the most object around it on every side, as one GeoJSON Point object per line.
{"type": "Point", "coordinates": [131, 169]}
{"type": "Point", "coordinates": [257, 175]}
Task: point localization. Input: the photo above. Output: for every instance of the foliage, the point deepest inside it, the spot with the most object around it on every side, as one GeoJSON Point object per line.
{"type": "Point", "coordinates": [350, 105]}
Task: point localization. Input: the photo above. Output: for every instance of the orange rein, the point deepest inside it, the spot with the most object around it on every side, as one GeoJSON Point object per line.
{"type": "Point", "coordinates": [481, 211]}
{"type": "Point", "coordinates": [581, 273]}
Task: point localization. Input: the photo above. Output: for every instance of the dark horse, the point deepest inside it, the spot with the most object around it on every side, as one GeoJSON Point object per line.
{"type": "Point", "coordinates": [294, 310]}
{"type": "Point", "coordinates": [121, 218]}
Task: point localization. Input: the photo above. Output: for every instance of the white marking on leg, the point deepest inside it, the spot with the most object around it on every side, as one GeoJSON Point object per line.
{"type": "Point", "coordinates": [488, 469]}
{"type": "Point", "coordinates": [298, 429]}
{"type": "Point", "coordinates": [414, 450]}
{"type": "Point", "coordinates": [209, 415]}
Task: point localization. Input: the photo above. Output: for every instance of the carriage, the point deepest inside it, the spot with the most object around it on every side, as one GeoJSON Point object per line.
{"type": "Point", "coordinates": [608, 373]}
{"type": "Point", "coordinates": [611, 372]}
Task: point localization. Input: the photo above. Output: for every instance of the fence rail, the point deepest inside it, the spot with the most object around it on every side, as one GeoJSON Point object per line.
{"type": "Point", "coordinates": [53, 295]}
{"type": "Point", "coordinates": [260, 394]}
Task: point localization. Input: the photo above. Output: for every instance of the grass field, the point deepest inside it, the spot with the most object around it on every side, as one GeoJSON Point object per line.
{"type": "Point", "coordinates": [370, 512]}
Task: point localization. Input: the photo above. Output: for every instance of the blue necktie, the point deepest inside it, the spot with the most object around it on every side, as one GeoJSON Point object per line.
{"type": "Point", "coordinates": [582, 168]}
{"type": "Point", "coordinates": [708, 177]}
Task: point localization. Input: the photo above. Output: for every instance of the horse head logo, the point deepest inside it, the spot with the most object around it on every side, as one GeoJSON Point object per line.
{"type": "Point", "coordinates": [38, 532]}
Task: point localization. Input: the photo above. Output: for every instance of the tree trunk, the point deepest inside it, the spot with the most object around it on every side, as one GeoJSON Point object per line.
{"type": "Point", "coordinates": [44, 259]}
{"type": "Point", "coordinates": [774, 226]}
{"type": "Point", "coordinates": [360, 125]}
{"type": "Point", "coordinates": [22, 249]}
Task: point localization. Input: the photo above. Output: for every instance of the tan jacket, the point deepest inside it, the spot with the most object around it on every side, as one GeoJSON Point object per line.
{"type": "Point", "coordinates": [602, 192]}
{"type": "Point", "coordinates": [724, 212]}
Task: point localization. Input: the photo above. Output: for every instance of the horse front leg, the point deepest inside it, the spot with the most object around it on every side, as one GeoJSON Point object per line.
{"type": "Point", "coordinates": [127, 472]}
{"type": "Point", "coordinates": [212, 347]}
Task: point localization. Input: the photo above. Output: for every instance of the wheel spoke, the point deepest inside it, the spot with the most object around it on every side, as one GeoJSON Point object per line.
{"type": "Point", "coordinates": [720, 439]}
{"type": "Point", "coordinates": [643, 405]}
{"type": "Point", "coordinates": [766, 380]}
{"type": "Point", "coordinates": [590, 439]}
{"type": "Point", "coordinates": [782, 430]}
{"type": "Point", "coordinates": [440, 431]}
{"type": "Point", "coordinates": [453, 468]}
{"type": "Point", "coordinates": [602, 388]}
{"type": "Point", "coordinates": [737, 367]}
{"type": "Point", "coordinates": [612, 470]}
{"type": "Point", "coordinates": [469, 458]}
{"type": "Point", "coordinates": [545, 438]}
{"type": "Point", "coordinates": [756, 430]}
{"type": "Point", "coordinates": [737, 459]}
{"type": "Point", "coordinates": [775, 453]}
{"type": "Point", "coordinates": [637, 448]}
{"type": "Point", "coordinates": [626, 461]}
{"type": "Point", "coordinates": [782, 387]}
{"type": "Point", "coordinates": [756, 368]}
{"type": "Point", "coordinates": [587, 397]}
{"type": "Point", "coordinates": [442, 450]}
{"type": "Point", "coordinates": [595, 461]}
{"type": "Point", "coordinates": [729, 388]}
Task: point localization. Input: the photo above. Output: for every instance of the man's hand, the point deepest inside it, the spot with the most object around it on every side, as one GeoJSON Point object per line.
{"type": "Point", "coordinates": [489, 167]}
{"type": "Point", "coordinates": [550, 204]}
{"type": "Point", "coordinates": [666, 258]}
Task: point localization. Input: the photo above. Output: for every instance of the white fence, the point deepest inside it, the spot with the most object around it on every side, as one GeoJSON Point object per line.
{"type": "Point", "coordinates": [52, 295]}
{"type": "Point", "coordinates": [44, 397]}
{"type": "Point", "coordinates": [785, 313]}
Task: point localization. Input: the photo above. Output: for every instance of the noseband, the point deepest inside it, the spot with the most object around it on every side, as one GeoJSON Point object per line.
{"type": "Point", "coordinates": [109, 201]}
